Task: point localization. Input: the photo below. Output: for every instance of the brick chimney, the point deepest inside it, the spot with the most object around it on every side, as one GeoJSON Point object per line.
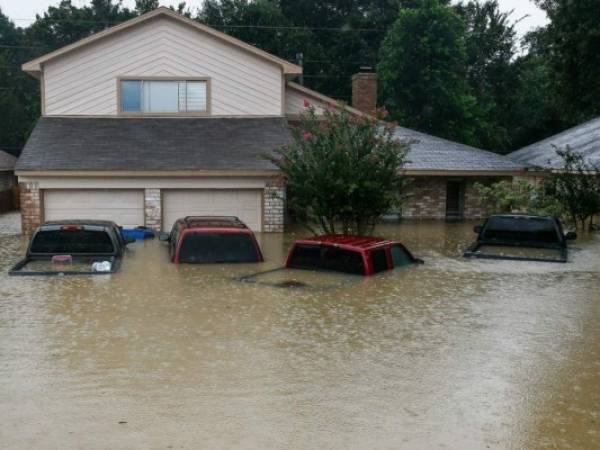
{"type": "Point", "coordinates": [364, 92]}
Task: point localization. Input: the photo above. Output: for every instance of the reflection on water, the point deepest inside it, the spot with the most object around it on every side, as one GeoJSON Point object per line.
{"type": "Point", "coordinates": [469, 354]}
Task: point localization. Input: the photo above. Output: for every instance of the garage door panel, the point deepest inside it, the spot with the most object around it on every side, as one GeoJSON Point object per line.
{"type": "Point", "coordinates": [245, 204]}
{"type": "Point", "coordinates": [125, 207]}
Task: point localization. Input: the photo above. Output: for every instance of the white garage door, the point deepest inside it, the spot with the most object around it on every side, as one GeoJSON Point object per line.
{"type": "Point", "coordinates": [125, 207]}
{"type": "Point", "coordinates": [243, 203]}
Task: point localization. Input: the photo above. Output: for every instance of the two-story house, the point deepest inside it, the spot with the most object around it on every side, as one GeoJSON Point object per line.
{"type": "Point", "coordinates": [162, 117]}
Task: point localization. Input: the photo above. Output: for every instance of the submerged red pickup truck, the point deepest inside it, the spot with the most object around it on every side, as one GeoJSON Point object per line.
{"type": "Point", "coordinates": [359, 255]}
{"type": "Point", "coordinates": [212, 239]}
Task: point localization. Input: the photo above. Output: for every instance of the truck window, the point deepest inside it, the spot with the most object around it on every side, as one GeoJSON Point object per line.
{"type": "Point", "coordinates": [319, 257]}
{"type": "Point", "coordinates": [521, 229]}
{"type": "Point", "coordinates": [217, 248]}
{"type": "Point", "coordinates": [69, 242]}
{"type": "Point", "coordinates": [400, 256]}
{"type": "Point", "coordinates": [379, 260]}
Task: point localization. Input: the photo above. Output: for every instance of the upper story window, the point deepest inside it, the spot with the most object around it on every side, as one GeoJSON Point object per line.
{"type": "Point", "coordinates": [164, 96]}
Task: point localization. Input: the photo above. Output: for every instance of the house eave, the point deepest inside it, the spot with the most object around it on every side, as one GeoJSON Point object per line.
{"type": "Point", "coordinates": [149, 173]}
{"type": "Point", "coordinates": [462, 173]}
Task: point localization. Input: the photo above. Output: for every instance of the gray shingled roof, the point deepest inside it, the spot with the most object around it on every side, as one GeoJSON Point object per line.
{"type": "Point", "coordinates": [432, 153]}
{"type": "Point", "coordinates": [103, 144]}
{"type": "Point", "coordinates": [583, 139]}
{"type": "Point", "coordinates": [112, 144]}
{"type": "Point", "coordinates": [7, 161]}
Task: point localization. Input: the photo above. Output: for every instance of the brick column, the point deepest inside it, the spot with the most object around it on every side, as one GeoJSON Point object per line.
{"type": "Point", "coordinates": [273, 207]}
{"type": "Point", "coordinates": [153, 209]}
{"type": "Point", "coordinates": [31, 207]}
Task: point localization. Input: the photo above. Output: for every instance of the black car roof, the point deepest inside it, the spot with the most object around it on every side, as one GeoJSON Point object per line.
{"type": "Point", "coordinates": [102, 223]}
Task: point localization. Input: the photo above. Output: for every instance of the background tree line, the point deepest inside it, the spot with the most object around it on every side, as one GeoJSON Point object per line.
{"type": "Point", "coordinates": [458, 71]}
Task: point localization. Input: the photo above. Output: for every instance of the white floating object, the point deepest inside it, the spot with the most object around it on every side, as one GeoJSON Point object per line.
{"type": "Point", "coordinates": [101, 266]}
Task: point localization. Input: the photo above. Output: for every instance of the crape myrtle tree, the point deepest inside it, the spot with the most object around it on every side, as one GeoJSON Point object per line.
{"type": "Point", "coordinates": [343, 171]}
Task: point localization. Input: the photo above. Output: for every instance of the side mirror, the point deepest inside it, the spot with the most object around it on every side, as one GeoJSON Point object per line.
{"type": "Point", "coordinates": [164, 237]}
{"type": "Point", "coordinates": [478, 228]}
{"type": "Point", "coordinates": [129, 239]}
{"type": "Point", "coordinates": [571, 236]}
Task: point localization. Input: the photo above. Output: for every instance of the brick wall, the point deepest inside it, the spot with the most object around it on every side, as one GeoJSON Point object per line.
{"type": "Point", "coordinates": [426, 198]}
{"type": "Point", "coordinates": [273, 207]}
{"type": "Point", "coordinates": [153, 208]}
{"type": "Point", "coordinates": [31, 207]}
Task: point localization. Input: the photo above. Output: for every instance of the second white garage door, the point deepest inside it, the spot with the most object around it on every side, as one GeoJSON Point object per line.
{"type": "Point", "coordinates": [125, 207]}
{"type": "Point", "coordinates": [243, 203]}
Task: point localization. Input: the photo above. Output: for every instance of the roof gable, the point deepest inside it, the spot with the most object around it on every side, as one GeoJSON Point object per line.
{"type": "Point", "coordinates": [583, 139]}
{"type": "Point", "coordinates": [34, 66]}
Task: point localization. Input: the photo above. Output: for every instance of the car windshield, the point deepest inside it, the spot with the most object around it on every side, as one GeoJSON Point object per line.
{"type": "Point", "coordinates": [218, 248]}
{"type": "Point", "coordinates": [70, 242]}
{"type": "Point", "coordinates": [317, 257]}
{"type": "Point", "coordinates": [521, 229]}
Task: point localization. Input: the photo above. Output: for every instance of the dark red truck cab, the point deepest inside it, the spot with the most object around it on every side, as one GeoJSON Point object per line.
{"type": "Point", "coordinates": [212, 239]}
{"type": "Point", "coordinates": [360, 255]}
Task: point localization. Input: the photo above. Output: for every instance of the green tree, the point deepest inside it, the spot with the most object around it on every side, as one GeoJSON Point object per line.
{"type": "Point", "coordinates": [576, 187]}
{"type": "Point", "coordinates": [423, 73]}
{"type": "Point", "coordinates": [490, 41]}
{"type": "Point", "coordinates": [506, 196]}
{"type": "Point", "coordinates": [342, 170]}
{"type": "Point", "coordinates": [63, 24]}
{"type": "Point", "coordinates": [534, 112]}
{"type": "Point", "coordinates": [19, 93]}
{"type": "Point", "coordinates": [144, 6]}
{"type": "Point", "coordinates": [574, 39]}
{"type": "Point", "coordinates": [260, 23]}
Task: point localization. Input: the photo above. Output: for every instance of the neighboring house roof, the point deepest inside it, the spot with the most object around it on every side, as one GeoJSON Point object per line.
{"type": "Point", "coordinates": [35, 66]}
{"type": "Point", "coordinates": [323, 99]}
{"type": "Point", "coordinates": [7, 161]}
{"type": "Point", "coordinates": [431, 154]}
{"type": "Point", "coordinates": [153, 144]}
{"type": "Point", "coordinates": [583, 139]}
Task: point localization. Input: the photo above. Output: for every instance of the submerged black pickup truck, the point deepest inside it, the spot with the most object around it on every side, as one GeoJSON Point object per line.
{"type": "Point", "coordinates": [521, 237]}
{"type": "Point", "coordinates": [73, 247]}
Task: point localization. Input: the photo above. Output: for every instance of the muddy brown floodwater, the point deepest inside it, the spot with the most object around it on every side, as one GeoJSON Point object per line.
{"type": "Point", "coordinates": [454, 354]}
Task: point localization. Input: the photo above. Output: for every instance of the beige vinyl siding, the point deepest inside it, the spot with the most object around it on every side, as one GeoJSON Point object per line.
{"type": "Point", "coordinates": [84, 82]}
{"type": "Point", "coordinates": [294, 103]}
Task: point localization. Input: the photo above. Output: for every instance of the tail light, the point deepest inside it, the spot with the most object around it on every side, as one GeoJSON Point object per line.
{"type": "Point", "coordinates": [71, 228]}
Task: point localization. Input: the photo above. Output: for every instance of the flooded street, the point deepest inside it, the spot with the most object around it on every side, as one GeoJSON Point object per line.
{"type": "Point", "coordinates": [454, 354]}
